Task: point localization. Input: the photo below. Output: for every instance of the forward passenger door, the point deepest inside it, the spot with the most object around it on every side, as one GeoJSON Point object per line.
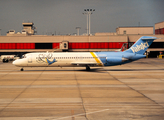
{"type": "Point", "coordinates": [30, 59]}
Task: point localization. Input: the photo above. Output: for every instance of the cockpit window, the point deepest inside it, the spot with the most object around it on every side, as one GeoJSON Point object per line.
{"type": "Point", "coordinates": [23, 56]}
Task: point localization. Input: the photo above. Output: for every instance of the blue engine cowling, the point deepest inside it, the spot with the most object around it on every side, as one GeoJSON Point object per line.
{"type": "Point", "coordinates": [116, 60]}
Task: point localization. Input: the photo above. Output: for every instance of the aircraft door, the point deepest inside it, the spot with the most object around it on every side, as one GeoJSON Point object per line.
{"type": "Point", "coordinates": [103, 60]}
{"type": "Point", "coordinates": [30, 59]}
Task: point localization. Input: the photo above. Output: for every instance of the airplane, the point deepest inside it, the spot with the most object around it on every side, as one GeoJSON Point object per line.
{"type": "Point", "coordinates": [86, 59]}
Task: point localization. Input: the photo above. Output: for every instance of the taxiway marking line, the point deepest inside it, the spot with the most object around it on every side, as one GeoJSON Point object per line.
{"type": "Point", "coordinates": [81, 114]}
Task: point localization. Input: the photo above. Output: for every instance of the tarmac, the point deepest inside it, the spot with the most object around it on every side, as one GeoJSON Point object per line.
{"type": "Point", "coordinates": [126, 92]}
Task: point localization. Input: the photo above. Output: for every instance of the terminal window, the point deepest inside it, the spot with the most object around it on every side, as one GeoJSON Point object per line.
{"type": "Point", "coordinates": [157, 45]}
{"type": "Point", "coordinates": [43, 45]}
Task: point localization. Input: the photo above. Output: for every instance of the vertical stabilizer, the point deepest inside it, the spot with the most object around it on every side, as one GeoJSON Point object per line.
{"type": "Point", "coordinates": [141, 45]}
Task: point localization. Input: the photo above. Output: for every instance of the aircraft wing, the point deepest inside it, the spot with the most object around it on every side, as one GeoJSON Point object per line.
{"type": "Point", "coordinates": [86, 63]}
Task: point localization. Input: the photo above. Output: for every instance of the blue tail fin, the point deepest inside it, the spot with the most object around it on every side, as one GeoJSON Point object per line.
{"type": "Point", "coordinates": [141, 45]}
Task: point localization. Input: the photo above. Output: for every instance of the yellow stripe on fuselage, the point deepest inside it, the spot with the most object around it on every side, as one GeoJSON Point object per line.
{"type": "Point", "coordinates": [46, 60]}
{"type": "Point", "coordinates": [96, 58]}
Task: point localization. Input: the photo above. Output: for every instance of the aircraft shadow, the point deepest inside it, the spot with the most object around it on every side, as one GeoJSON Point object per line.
{"type": "Point", "coordinates": [62, 70]}
{"type": "Point", "coordinates": [97, 70]}
{"type": "Point", "coordinates": [132, 69]}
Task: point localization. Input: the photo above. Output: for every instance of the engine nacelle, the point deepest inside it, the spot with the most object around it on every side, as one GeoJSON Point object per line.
{"type": "Point", "coordinates": [116, 60]}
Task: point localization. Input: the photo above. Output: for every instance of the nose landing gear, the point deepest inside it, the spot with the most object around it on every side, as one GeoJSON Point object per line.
{"type": "Point", "coordinates": [21, 69]}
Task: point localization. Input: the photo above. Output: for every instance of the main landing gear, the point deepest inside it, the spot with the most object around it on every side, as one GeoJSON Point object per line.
{"type": "Point", "coordinates": [87, 68]}
{"type": "Point", "coordinates": [21, 69]}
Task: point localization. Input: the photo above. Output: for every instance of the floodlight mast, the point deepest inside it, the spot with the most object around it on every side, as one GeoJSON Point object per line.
{"type": "Point", "coordinates": [87, 20]}
{"type": "Point", "coordinates": [88, 12]}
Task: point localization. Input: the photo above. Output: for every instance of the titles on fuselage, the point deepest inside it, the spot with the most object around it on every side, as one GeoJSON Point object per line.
{"type": "Point", "coordinates": [43, 56]}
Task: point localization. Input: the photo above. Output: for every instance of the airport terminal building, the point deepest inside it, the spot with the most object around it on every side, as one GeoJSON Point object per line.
{"type": "Point", "coordinates": [26, 40]}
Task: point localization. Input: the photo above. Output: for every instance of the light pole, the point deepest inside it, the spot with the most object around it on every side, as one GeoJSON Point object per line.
{"type": "Point", "coordinates": [78, 28]}
{"type": "Point", "coordinates": [88, 12]}
{"type": "Point", "coordinates": [85, 13]}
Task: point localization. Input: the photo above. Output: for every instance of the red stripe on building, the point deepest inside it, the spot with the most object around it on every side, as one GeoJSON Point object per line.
{"type": "Point", "coordinates": [85, 45]}
{"type": "Point", "coordinates": [96, 45]}
{"type": "Point", "coordinates": [56, 45]}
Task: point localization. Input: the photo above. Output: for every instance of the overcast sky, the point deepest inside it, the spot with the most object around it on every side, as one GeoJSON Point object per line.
{"type": "Point", "coordinates": [63, 16]}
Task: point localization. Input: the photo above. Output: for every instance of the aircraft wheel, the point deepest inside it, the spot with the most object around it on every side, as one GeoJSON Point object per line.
{"type": "Point", "coordinates": [5, 60]}
{"type": "Point", "coordinates": [22, 69]}
{"type": "Point", "coordinates": [87, 68]}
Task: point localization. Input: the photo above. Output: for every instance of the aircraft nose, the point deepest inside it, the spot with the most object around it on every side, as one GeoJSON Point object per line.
{"type": "Point", "coordinates": [16, 62]}
{"type": "Point", "coordinates": [13, 62]}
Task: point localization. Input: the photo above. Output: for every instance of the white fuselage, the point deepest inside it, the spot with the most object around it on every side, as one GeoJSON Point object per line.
{"type": "Point", "coordinates": [59, 59]}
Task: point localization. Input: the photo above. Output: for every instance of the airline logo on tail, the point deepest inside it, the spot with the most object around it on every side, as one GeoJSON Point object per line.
{"type": "Point", "coordinates": [142, 46]}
